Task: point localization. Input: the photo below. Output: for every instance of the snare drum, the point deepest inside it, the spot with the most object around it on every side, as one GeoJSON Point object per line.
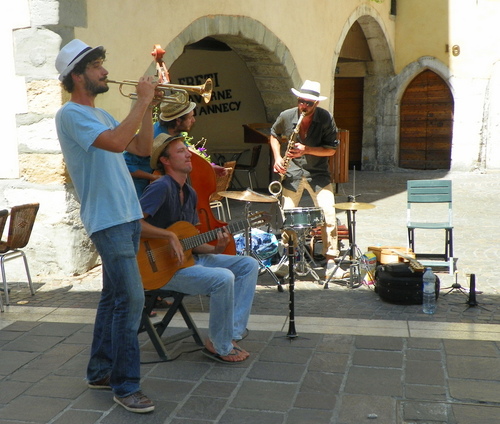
{"type": "Point", "coordinates": [303, 218]}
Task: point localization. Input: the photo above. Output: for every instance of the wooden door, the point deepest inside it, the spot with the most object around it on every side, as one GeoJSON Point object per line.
{"type": "Point", "coordinates": [426, 123]}
{"type": "Point", "coordinates": [348, 106]}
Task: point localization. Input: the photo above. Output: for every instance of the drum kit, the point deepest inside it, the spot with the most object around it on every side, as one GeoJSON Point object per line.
{"type": "Point", "coordinates": [297, 223]}
{"type": "Point", "coordinates": [301, 221]}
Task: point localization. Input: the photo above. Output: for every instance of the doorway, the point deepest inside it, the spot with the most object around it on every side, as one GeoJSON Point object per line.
{"type": "Point", "coordinates": [426, 123]}
{"type": "Point", "coordinates": [348, 106]}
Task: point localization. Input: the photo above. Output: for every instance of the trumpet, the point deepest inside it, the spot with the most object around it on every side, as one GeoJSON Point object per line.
{"type": "Point", "coordinates": [276, 187]}
{"type": "Point", "coordinates": [171, 93]}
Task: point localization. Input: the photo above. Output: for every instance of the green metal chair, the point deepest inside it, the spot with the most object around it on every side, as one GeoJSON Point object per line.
{"type": "Point", "coordinates": [429, 207]}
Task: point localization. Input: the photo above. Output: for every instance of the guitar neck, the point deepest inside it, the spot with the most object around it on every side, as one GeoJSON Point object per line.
{"type": "Point", "coordinates": [414, 264]}
{"type": "Point", "coordinates": [199, 239]}
{"type": "Point", "coordinates": [402, 255]}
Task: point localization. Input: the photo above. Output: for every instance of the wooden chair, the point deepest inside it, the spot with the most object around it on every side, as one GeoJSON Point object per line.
{"type": "Point", "coordinates": [4, 214]}
{"type": "Point", "coordinates": [156, 330]}
{"type": "Point", "coordinates": [21, 223]}
{"type": "Point", "coordinates": [223, 184]}
{"type": "Point", "coordinates": [433, 198]}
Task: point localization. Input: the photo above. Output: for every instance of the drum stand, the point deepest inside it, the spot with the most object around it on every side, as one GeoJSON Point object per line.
{"type": "Point", "coordinates": [248, 251]}
{"type": "Point", "coordinates": [353, 251]}
{"type": "Point", "coordinates": [302, 266]}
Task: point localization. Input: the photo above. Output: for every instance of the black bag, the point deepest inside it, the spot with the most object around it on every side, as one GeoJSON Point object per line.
{"type": "Point", "coordinates": [397, 283]}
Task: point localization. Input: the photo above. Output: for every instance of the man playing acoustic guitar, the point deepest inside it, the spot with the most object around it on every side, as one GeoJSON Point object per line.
{"type": "Point", "coordinates": [229, 280]}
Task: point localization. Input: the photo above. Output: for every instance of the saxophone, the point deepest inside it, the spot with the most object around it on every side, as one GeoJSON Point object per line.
{"type": "Point", "coordinates": [276, 187]}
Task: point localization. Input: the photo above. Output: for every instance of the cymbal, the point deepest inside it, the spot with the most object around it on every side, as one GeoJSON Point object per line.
{"type": "Point", "coordinates": [248, 196]}
{"type": "Point", "coordinates": [354, 206]}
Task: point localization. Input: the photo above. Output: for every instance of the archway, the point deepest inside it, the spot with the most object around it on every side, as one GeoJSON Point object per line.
{"type": "Point", "coordinates": [364, 66]}
{"type": "Point", "coordinates": [253, 75]}
{"type": "Point", "coordinates": [269, 61]}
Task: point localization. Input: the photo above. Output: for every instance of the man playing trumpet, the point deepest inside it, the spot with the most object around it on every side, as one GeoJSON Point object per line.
{"type": "Point", "coordinates": [308, 169]}
{"type": "Point", "coordinates": [92, 142]}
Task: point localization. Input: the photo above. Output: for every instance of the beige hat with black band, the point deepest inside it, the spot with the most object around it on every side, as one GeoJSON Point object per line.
{"type": "Point", "coordinates": [310, 90]}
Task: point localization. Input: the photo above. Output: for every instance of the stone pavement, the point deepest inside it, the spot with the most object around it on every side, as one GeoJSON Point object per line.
{"type": "Point", "coordinates": [355, 359]}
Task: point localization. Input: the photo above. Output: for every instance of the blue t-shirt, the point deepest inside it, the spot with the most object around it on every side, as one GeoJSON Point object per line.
{"type": "Point", "coordinates": [135, 163]}
{"type": "Point", "coordinates": [158, 129]}
{"type": "Point", "coordinates": [102, 181]}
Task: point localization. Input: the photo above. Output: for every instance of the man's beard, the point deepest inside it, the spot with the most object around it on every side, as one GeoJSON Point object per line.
{"type": "Point", "coordinates": [94, 88]}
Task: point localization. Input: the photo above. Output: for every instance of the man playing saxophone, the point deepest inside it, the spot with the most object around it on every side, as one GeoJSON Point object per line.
{"type": "Point", "coordinates": [307, 167]}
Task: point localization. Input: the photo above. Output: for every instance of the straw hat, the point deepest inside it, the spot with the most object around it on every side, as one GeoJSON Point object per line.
{"type": "Point", "coordinates": [310, 91]}
{"type": "Point", "coordinates": [160, 143]}
{"type": "Point", "coordinates": [70, 55]}
{"type": "Point", "coordinates": [171, 111]}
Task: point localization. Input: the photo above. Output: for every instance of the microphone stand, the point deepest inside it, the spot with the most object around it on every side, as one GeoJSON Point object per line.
{"type": "Point", "coordinates": [472, 291]}
{"type": "Point", "coordinates": [472, 301]}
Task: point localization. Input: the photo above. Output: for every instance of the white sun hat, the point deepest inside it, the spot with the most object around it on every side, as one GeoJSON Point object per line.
{"type": "Point", "coordinates": [70, 55]}
{"type": "Point", "coordinates": [310, 91]}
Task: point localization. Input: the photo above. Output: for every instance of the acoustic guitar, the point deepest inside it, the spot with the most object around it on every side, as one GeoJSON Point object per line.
{"type": "Point", "coordinates": [156, 262]}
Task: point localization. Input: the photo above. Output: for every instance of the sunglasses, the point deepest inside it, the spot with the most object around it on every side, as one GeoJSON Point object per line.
{"type": "Point", "coordinates": [306, 102]}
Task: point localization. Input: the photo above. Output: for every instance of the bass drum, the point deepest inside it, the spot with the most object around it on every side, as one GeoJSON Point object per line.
{"type": "Point", "coordinates": [303, 218]}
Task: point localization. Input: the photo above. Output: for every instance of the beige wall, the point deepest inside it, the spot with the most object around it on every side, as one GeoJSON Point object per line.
{"type": "Point", "coordinates": [422, 30]}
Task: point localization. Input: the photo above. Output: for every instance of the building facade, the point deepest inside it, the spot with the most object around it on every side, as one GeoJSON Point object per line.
{"type": "Point", "coordinates": [415, 82]}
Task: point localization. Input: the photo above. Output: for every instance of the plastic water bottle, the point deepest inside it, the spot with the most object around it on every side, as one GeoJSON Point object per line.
{"type": "Point", "coordinates": [429, 292]}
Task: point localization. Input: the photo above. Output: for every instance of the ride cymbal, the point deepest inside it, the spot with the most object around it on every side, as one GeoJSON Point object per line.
{"type": "Point", "coordinates": [248, 196]}
{"type": "Point", "coordinates": [354, 206]}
